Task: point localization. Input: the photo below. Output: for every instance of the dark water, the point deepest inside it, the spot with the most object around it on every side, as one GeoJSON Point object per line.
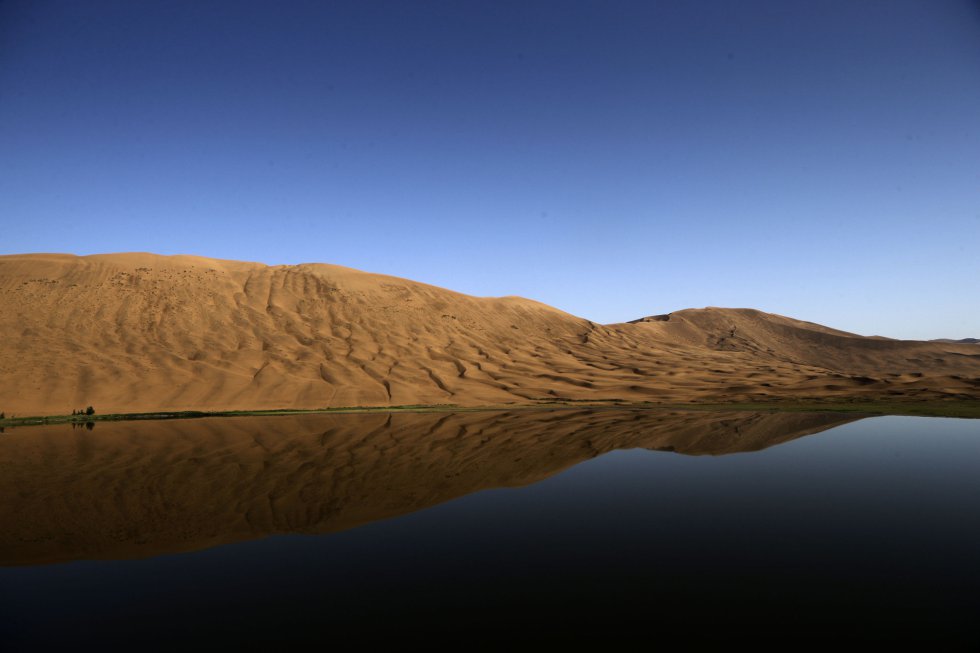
{"type": "Point", "coordinates": [867, 531]}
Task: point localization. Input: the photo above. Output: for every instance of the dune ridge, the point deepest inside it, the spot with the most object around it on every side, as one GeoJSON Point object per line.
{"type": "Point", "coordinates": [143, 332]}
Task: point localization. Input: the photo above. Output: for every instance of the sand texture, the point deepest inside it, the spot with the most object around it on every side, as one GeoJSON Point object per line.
{"type": "Point", "coordinates": [137, 489]}
{"type": "Point", "coordinates": [141, 332]}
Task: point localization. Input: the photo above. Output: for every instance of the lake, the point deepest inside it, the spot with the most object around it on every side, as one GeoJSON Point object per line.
{"type": "Point", "coordinates": [496, 529]}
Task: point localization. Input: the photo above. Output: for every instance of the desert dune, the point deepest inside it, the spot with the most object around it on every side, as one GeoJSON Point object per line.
{"type": "Point", "coordinates": [142, 332]}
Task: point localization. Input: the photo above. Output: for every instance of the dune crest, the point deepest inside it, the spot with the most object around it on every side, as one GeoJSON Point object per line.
{"type": "Point", "coordinates": [142, 332]}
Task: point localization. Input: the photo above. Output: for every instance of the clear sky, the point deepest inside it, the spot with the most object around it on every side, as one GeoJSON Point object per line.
{"type": "Point", "coordinates": [613, 159]}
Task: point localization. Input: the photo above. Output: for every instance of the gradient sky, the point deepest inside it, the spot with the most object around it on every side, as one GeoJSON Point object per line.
{"type": "Point", "coordinates": [613, 159]}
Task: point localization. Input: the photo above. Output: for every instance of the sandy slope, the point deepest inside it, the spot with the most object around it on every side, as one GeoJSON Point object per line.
{"type": "Point", "coordinates": [135, 489]}
{"type": "Point", "coordinates": [140, 332]}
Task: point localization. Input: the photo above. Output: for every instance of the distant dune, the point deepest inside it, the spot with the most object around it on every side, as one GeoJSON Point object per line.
{"type": "Point", "coordinates": [141, 332]}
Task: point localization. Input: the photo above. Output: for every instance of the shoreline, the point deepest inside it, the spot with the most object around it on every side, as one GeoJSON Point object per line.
{"type": "Point", "coordinates": [968, 408]}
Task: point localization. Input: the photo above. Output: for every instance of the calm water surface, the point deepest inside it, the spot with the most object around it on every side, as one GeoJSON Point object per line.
{"type": "Point", "coordinates": [598, 526]}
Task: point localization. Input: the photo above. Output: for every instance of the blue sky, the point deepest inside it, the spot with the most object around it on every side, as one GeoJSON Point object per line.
{"type": "Point", "coordinates": [613, 159]}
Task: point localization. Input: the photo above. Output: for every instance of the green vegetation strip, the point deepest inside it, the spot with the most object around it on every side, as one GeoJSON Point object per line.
{"type": "Point", "coordinates": [968, 408]}
{"type": "Point", "coordinates": [195, 414]}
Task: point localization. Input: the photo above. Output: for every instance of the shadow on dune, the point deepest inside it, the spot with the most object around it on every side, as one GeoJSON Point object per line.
{"type": "Point", "coordinates": [138, 489]}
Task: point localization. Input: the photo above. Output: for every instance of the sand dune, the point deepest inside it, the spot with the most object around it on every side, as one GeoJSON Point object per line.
{"type": "Point", "coordinates": [136, 489]}
{"type": "Point", "coordinates": [140, 332]}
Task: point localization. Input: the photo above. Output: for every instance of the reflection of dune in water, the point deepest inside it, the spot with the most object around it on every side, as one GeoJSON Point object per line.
{"type": "Point", "coordinates": [136, 489]}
